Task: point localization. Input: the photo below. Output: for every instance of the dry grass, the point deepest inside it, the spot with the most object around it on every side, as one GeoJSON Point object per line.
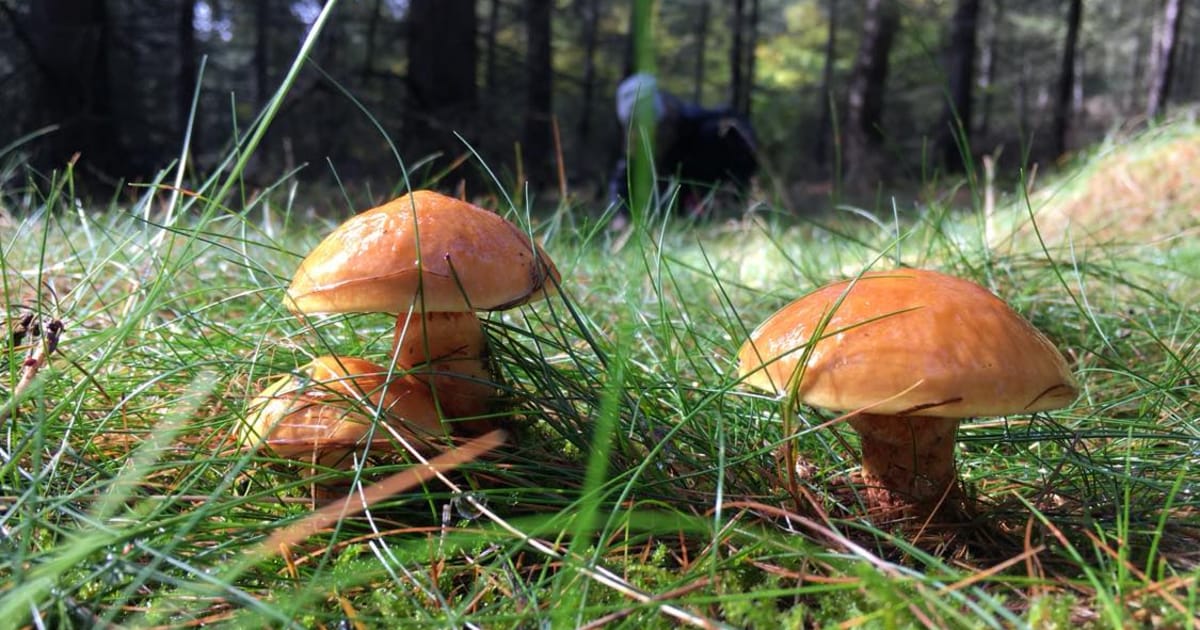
{"type": "Point", "coordinates": [1145, 193]}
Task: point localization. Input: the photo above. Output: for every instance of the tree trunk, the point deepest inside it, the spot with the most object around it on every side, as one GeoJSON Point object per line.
{"type": "Point", "coordinates": [1066, 78]}
{"type": "Point", "coordinates": [864, 99]}
{"type": "Point", "coordinates": [735, 57]}
{"type": "Point", "coordinates": [825, 118]}
{"type": "Point", "coordinates": [372, 36]}
{"type": "Point", "coordinates": [538, 143]}
{"type": "Point", "coordinates": [188, 67]}
{"type": "Point", "coordinates": [490, 49]}
{"type": "Point", "coordinates": [960, 67]}
{"type": "Point", "coordinates": [262, 61]}
{"type": "Point", "coordinates": [988, 62]}
{"type": "Point", "coordinates": [70, 42]}
{"type": "Point", "coordinates": [441, 76]}
{"type": "Point", "coordinates": [751, 60]}
{"type": "Point", "coordinates": [1162, 58]}
{"type": "Point", "coordinates": [590, 18]}
{"type": "Point", "coordinates": [701, 46]}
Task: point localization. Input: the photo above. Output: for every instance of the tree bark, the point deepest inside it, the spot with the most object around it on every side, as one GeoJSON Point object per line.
{"type": "Point", "coordinates": [701, 46]}
{"type": "Point", "coordinates": [988, 62]}
{"type": "Point", "coordinates": [489, 52]}
{"type": "Point", "coordinates": [864, 99]}
{"type": "Point", "coordinates": [188, 67]}
{"type": "Point", "coordinates": [70, 41]}
{"type": "Point", "coordinates": [262, 61]}
{"type": "Point", "coordinates": [589, 14]}
{"type": "Point", "coordinates": [1162, 53]}
{"type": "Point", "coordinates": [751, 60]}
{"type": "Point", "coordinates": [441, 75]}
{"type": "Point", "coordinates": [735, 56]}
{"type": "Point", "coordinates": [825, 107]}
{"type": "Point", "coordinates": [955, 127]}
{"type": "Point", "coordinates": [538, 144]}
{"type": "Point", "coordinates": [1066, 78]}
{"type": "Point", "coordinates": [372, 36]}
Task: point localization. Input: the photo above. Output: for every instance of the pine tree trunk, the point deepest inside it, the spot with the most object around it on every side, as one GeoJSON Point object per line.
{"type": "Point", "coordinates": [955, 127]}
{"type": "Point", "coordinates": [441, 76]}
{"type": "Point", "coordinates": [825, 107]}
{"type": "Point", "coordinates": [1066, 78]}
{"type": "Point", "coordinates": [538, 141]}
{"type": "Point", "coordinates": [1163, 58]}
{"type": "Point", "coordinates": [735, 56]}
{"type": "Point", "coordinates": [701, 46]}
{"type": "Point", "coordinates": [186, 82]}
{"type": "Point", "coordinates": [864, 98]}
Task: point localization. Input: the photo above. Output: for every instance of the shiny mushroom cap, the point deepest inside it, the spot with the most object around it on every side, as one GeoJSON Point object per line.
{"type": "Point", "coordinates": [909, 342]}
{"type": "Point", "coordinates": [328, 406]}
{"type": "Point", "coordinates": [468, 259]}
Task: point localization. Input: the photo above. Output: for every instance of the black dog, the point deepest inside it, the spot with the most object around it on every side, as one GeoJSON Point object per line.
{"type": "Point", "coordinates": [700, 148]}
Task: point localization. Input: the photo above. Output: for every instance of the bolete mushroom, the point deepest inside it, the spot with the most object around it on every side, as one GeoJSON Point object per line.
{"type": "Point", "coordinates": [913, 352]}
{"type": "Point", "coordinates": [326, 409]}
{"type": "Point", "coordinates": [425, 254]}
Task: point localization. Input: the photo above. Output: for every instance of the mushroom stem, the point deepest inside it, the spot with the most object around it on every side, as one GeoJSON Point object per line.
{"type": "Point", "coordinates": [447, 352]}
{"type": "Point", "coordinates": [907, 461]}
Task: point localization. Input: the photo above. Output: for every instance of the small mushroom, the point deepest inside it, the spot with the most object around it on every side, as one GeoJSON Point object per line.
{"type": "Point", "coordinates": [326, 410]}
{"type": "Point", "coordinates": [914, 351]}
{"type": "Point", "coordinates": [437, 256]}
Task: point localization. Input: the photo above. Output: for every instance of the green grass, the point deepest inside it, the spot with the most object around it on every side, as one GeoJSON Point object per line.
{"type": "Point", "coordinates": [640, 484]}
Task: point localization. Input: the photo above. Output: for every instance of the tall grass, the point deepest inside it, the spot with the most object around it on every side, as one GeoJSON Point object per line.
{"type": "Point", "coordinates": [640, 485]}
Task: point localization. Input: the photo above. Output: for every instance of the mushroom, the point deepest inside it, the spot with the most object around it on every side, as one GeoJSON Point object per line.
{"type": "Point", "coordinates": [326, 409]}
{"type": "Point", "coordinates": [911, 353]}
{"type": "Point", "coordinates": [438, 257]}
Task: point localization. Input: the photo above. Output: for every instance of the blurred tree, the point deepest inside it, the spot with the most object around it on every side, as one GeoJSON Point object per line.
{"type": "Point", "coordinates": [988, 61]}
{"type": "Point", "coordinates": [538, 140]}
{"type": "Point", "coordinates": [185, 86]}
{"type": "Point", "coordinates": [1066, 78]}
{"type": "Point", "coordinates": [741, 54]}
{"type": "Point", "coordinates": [825, 106]}
{"type": "Point", "coordinates": [864, 111]}
{"type": "Point", "coordinates": [589, 14]}
{"type": "Point", "coordinates": [68, 43]}
{"type": "Point", "coordinates": [1162, 60]}
{"type": "Point", "coordinates": [702, 19]}
{"type": "Point", "coordinates": [955, 126]}
{"type": "Point", "coordinates": [262, 56]}
{"type": "Point", "coordinates": [441, 76]}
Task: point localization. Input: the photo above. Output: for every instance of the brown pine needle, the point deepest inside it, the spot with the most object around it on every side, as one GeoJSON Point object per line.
{"type": "Point", "coordinates": [397, 483]}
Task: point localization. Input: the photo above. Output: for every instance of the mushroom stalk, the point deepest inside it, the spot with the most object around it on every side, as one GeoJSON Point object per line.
{"type": "Point", "coordinates": [907, 461]}
{"type": "Point", "coordinates": [447, 352]}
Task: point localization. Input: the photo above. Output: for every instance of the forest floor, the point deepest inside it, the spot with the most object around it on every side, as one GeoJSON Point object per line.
{"type": "Point", "coordinates": [639, 483]}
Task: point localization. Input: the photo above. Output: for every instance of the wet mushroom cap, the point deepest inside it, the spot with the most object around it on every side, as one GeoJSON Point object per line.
{"type": "Point", "coordinates": [468, 259]}
{"type": "Point", "coordinates": [328, 407]}
{"type": "Point", "coordinates": [909, 342]}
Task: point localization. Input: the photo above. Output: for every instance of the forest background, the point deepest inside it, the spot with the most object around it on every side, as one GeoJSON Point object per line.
{"type": "Point", "coordinates": [840, 92]}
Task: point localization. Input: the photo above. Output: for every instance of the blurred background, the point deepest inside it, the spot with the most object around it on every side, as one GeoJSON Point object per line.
{"type": "Point", "coordinates": [838, 90]}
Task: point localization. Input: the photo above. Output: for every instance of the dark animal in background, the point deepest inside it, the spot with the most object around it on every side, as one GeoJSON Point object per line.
{"type": "Point", "coordinates": [702, 149]}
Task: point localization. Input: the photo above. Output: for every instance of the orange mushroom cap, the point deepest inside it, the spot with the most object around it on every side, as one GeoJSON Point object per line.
{"type": "Point", "coordinates": [908, 342]}
{"type": "Point", "coordinates": [329, 406]}
{"type": "Point", "coordinates": [467, 259]}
